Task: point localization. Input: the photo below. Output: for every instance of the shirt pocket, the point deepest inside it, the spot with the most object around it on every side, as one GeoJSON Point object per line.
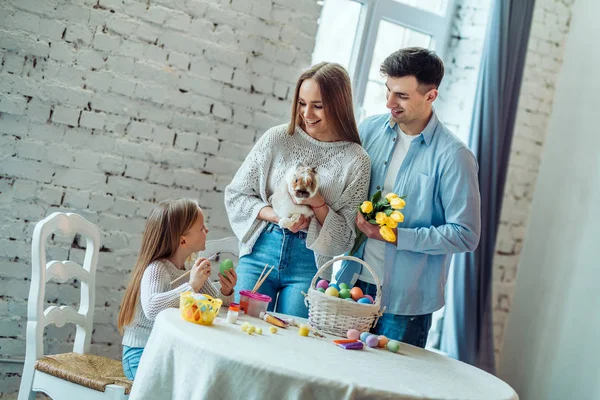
{"type": "Point", "coordinates": [421, 196]}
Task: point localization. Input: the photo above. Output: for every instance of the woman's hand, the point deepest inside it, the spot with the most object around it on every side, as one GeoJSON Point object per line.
{"type": "Point", "coordinates": [199, 274]}
{"type": "Point", "coordinates": [301, 225]}
{"type": "Point", "coordinates": [372, 231]}
{"type": "Point", "coordinates": [228, 282]}
{"type": "Point", "coordinates": [314, 202]}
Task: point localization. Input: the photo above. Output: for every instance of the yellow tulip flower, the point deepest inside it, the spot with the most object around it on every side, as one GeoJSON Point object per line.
{"type": "Point", "coordinates": [380, 218]}
{"type": "Point", "coordinates": [391, 196]}
{"type": "Point", "coordinates": [397, 216]}
{"type": "Point", "coordinates": [390, 222]}
{"type": "Point", "coordinates": [397, 203]}
{"type": "Point", "coordinates": [366, 207]}
{"type": "Point", "coordinates": [387, 233]}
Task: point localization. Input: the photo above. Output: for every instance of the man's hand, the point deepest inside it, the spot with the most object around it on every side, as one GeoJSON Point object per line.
{"type": "Point", "coordinates": [372, 231]}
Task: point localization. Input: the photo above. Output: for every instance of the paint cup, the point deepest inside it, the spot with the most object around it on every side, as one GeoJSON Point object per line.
{"type": "Point", "coordinates": [257, 303]}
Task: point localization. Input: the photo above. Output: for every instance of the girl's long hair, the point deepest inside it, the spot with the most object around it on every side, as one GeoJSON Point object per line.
{"type": "Point", "coordinates": [336, 94]}
{"type": "Point", "coordinates": [167, 222]}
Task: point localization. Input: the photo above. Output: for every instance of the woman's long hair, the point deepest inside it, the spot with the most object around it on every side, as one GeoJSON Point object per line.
{"type": "Point", "coordinates": [167, 222]}
{"type": "Point", "coordinates": [336, 94]}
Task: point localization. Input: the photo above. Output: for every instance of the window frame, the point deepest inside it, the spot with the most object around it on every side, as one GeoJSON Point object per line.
{"type": "Point", "coordinates": [372, 12]}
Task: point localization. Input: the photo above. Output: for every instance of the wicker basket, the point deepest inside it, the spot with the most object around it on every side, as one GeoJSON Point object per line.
{"type": "Point", "coordinates": [336, 316]}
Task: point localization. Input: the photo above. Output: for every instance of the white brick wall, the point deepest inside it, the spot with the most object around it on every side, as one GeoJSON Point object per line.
{"type": "Point", "coordinates": [549, 31]}
{"type": "Point", "coordinates": [108, 106]}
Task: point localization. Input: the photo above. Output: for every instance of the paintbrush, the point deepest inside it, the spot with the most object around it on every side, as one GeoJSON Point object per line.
{"type": "Point", "coordinates": [211, 258]}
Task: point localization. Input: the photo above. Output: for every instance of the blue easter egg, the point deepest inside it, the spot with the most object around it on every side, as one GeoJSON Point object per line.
{"type": "Point", "coordinates": [364, 300]}
{"type": "Point", "coordinates": [335, 285]}
{"type": "Point", "coordinates": [364, 336]}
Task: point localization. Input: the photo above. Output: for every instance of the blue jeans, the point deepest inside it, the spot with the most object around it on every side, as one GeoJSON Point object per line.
{"type": "Point", "coordinates": [295, 267]}
{"type": "Point", "coordinates": [131, 360]}
{"type": "Point", "coordinates": [411, 329]}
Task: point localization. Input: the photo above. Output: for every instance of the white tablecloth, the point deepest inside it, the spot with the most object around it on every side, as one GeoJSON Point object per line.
{"type": "Point", "coordinates": [188, 361]}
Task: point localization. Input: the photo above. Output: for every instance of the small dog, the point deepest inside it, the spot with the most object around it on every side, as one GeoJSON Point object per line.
{"type": "Point", "coordinates": [300, 183]}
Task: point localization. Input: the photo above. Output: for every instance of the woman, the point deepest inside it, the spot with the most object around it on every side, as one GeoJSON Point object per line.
{"type": "Point", "coordinates": [322, 134]}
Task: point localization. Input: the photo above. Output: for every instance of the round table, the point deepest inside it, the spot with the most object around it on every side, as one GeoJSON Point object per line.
{"type": "Point", "coordinates": [188, 361]}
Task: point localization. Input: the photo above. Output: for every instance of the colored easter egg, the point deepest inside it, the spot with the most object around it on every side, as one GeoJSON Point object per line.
{"type": "Point", "coordinates": [356, 293]}
{"type": "Point", "coordinates": [321, 290]}
{"type": "Point", "coordinates": [334, 285]}
{"type": "Point", "coordinates": [372, 341]}
{"type": "Point", "coordinates": [393, 346]}
{"type": "Point", "coordinates": [304, 330]}
{"type": "Point", "coordinates": [332, 291]}
{"type": "Point", "coordinates": [353, 334]}
{"type": "Point", "coordinates": [344, 293]}
{"type": "Point", "coordinates": [344, 286]}
{"type": "Point", "coordinates": [363, 300]}
{"type": "Point", "coordinates": [383, 341]}
{"type": "Point", "coordinates": [322, 284]}
{"type": "Point", "coordinates": [364, 336]}
{"type": "Point", "coordinates": [225, 265]}
{"type": "Point", "coordinates": [369, 297]}
{"type": "Point", "coordinates": [350, 298]}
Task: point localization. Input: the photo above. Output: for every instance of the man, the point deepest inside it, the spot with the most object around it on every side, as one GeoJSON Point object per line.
{"type": "Point", "coordinates": [414, 155]}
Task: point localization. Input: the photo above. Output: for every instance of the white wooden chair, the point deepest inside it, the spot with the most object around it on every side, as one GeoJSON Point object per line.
{"type": "Point", "coordinates": [226, 246]}
{"type": "Point", "coordinates": [75, 375]}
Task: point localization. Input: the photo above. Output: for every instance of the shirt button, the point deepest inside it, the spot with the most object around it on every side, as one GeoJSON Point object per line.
{"type": "Point", "coordinates": [394, 139]}
{"type": "Point", "coordinates": [385, 163]}
{"type": "Point", "coordinates": [378, 187]}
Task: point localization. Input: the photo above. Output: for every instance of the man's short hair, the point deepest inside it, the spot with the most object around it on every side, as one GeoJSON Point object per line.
{"type": "Point", "coordinates": [419, 62]}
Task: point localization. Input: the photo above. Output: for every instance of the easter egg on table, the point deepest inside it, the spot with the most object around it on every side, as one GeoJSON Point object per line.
{"type": "Point", "coordinates": [393, 346]}
{"type": "Point", "coordinates": [383, 341]}
{"type": "Point", "coordinates": [363, 300]}
{"type": "Point", "coordinates": [304, 330]}
{"type": "Point", "coordinates": [322, 284]}
{"type": "Point", "coordinates": [364, 336]}
{"type": "Point", "coordinates": [369, 297]}
{"type": "Point", "coordinates": [353, 334]}
{"type": "Point", "coordinates": [356, 293]}
{"type": "Point", "coordinates": [321, 290]}
{"type": "Point", "coordinates": [332, 291]}
{"type": "Point", "coordinates": [334, 285]}
{"type": "Point", "coordinates": [345, 293]}
{"type": "Point", "coordinates": [372, 341]}
{"type": "Point", "coordinates": [344, 286]}
{"type": "Point", "coordinates": [225, 265]}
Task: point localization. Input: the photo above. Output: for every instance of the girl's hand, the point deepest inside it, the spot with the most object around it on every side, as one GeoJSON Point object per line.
{"type": "Point", "coordinates": [199, 274]}
{"type": "Point", "coordinates": [302, 224]}
{"type": "Point", "coordinates": [228, 282]}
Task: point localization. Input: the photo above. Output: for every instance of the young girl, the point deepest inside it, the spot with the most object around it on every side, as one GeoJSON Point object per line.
{"type": "Point", "coordinates": [174, 230]}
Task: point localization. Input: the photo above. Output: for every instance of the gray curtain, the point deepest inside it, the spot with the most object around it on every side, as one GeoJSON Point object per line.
{"type": "Point", "coordinates": [467, 331]}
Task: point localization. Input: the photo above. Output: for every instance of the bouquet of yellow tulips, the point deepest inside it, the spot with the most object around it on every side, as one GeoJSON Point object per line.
{"type": "Point", "coordinates": [383, 212]}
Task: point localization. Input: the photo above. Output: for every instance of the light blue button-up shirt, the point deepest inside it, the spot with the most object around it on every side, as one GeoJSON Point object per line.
{"type": "Point", "coordinates": [441, 217]}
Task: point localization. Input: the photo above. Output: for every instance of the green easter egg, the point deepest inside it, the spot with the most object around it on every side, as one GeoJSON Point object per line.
{"type": "Point", "coordinates": [225, 265]}
{"type": "Point", "coordinates": [393, 346]}
{"type": "Point", "coordinates": [344, 286]}
{"type": "Point", "coordinates": [344, 293]}
{"type": "Point", "coordinates": [320, 289]}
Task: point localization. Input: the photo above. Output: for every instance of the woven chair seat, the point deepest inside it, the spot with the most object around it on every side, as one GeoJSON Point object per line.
{"type": "Point", "coordinates": [94, 372]}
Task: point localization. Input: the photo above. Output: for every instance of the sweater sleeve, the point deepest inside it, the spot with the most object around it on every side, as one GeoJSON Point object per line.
{"type": "Point", "coordinates": [245, 196]}
{"type": "Point", "coordinates": [338, 232]}
{"type": "Point", "coordinates": [155, 295]}
{"type": "Point", "coordinates": [210, 289]}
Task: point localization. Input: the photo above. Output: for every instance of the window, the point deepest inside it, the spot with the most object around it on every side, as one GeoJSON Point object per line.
{"type": "Point", "coordinates": [359, 34]}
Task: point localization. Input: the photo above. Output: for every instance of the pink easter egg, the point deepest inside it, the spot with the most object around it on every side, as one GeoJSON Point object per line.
{"type": "Point", "coordinates": [322, 284]}
{"type": "Point", "coordinates": [353, 334]}
{"type": "Point", "coordinates": [368, 296]}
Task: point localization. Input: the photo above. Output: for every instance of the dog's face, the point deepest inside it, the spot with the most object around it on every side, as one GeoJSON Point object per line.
{"type": "Point", "coordinates": [303, 182]}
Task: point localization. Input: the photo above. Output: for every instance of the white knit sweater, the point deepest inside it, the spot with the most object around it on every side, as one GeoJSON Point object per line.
{"type": "Point", "coordinates": [158, 294]}
{"type": "Point", "coordinates": [344, 169]}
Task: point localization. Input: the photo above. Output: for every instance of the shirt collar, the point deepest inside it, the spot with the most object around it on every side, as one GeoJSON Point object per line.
{"type": "Point", "coordinates": [427, 133]}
